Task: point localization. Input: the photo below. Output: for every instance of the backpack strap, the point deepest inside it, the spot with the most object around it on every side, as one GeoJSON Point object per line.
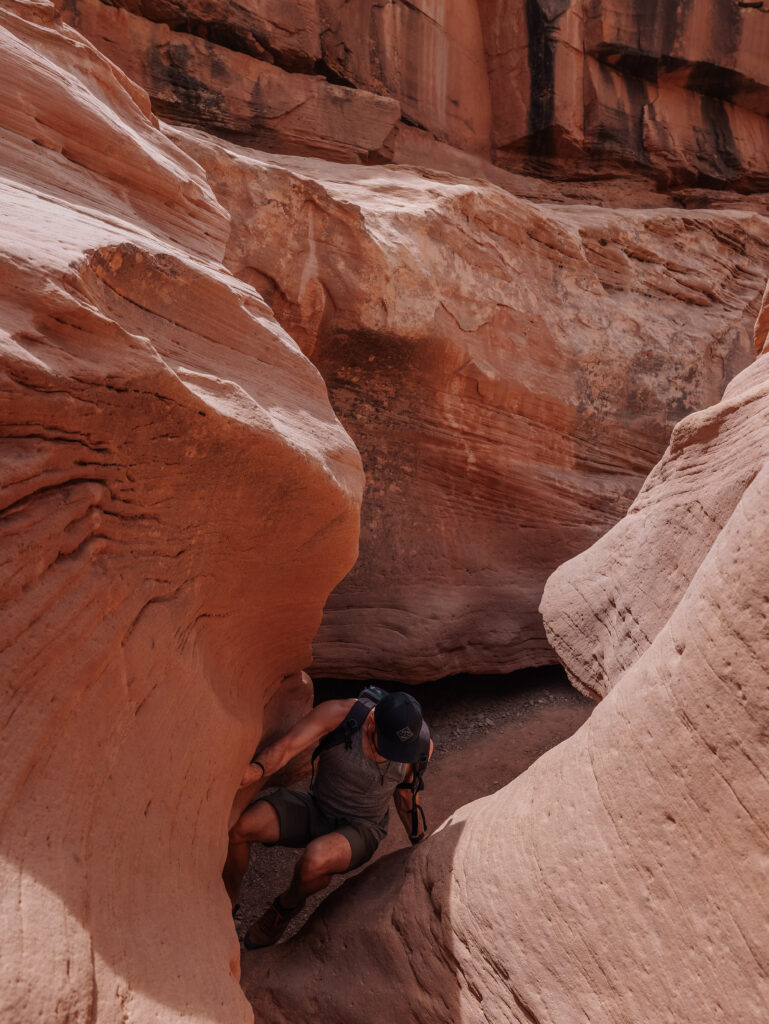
{"type": "Point", "coordinates": [345, 731]}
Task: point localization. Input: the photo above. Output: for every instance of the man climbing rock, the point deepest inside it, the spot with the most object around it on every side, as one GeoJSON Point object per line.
{"type": "Point", "coordinates": [368, 750]}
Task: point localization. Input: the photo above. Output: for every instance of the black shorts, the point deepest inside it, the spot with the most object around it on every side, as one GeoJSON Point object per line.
{"type": "Point", "coordinates": [302, 820]}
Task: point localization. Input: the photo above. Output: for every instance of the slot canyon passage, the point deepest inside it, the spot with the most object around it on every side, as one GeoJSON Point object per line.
{"type": "Point", "coordinates": [419, 341]}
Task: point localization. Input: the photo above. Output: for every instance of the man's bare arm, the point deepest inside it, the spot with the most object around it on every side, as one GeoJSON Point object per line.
{"type": "Point", "coordinates": [305, 733]}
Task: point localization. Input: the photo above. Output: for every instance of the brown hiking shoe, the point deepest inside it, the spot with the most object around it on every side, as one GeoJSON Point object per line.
{"type": "Point", "coordinates": [270, 926]}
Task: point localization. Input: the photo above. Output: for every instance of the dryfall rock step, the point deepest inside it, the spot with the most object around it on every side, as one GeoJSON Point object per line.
{"type": "Point", "coordinates": [622, 878]}
{"type": "Point", "coordinates": [510, 372]}
{"type": "Point", "coordinates": [177, 501]}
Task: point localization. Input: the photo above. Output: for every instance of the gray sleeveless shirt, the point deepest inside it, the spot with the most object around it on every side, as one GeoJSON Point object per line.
{"type": "Point", "coordinates": [350, 786]}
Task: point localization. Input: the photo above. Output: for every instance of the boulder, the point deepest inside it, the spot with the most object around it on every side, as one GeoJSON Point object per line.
{"type": "Point", "coordinates": [510, 372]}
{"type": "Point", "coordinates": [622, 877]}
{"type": "Point", "coordinates": [177, 500]}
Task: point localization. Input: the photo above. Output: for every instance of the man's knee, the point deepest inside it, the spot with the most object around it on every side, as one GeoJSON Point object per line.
{"type": "Point", "coordinates": [238, 835]}
{"type": "Point", "coordinates": [325, 858]}
{"type": "Point", "coordinates": [259, 823]}
{"type": "Point", "coordinates": [311, 865]}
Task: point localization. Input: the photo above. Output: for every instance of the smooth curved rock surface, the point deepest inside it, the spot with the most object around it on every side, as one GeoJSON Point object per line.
{"type": "Point", "coordinates": [509, 371]}
{"type": "Point", "coordinates": [622, 878]}
{"type": "Point", "coordinates": [177, 501]}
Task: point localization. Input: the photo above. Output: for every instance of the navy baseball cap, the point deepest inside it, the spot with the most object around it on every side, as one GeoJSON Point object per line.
{"type": "Point", "coordinates": [398, 720]}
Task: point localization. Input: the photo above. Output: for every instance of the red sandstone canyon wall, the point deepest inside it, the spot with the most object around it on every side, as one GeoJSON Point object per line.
{"type": "Point", "coordinates": [679, 90]}
{"type": "Point", "coordinates": [329, 220]}
{"type": "Point", "coordinates": [510, 372]}
{"type": "Point", "coordinates": [509, 369]}
{"type": "Point", "coordinates": [566, 88]}
{"type": "Point", "coordinates": [621, 877]}
{"type": "Point", "coordinates": [330, 78]}
{"type": "Point", "coordinates": [178, 499]}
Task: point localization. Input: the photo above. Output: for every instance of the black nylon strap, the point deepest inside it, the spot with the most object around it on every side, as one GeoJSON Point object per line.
{"type": "Point", "coordinates": [343, 733]}
{"type": "Point", "coordinates": [416, 810]}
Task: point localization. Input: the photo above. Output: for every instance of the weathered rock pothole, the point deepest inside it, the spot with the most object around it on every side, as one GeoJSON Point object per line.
{"type": "Point", "coordinates": [487, 730]}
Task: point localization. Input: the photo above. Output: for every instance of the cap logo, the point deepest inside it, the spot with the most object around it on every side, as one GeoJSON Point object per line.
{"type": "Point", "coordinates": [404, 734]}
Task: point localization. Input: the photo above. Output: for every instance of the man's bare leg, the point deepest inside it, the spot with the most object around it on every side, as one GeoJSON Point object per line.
{"type": "Point", "coordinates": [235, 868]}
{"type": "Point", "coordinates": [325, 856]}
{"type": "Point", "coordinates": [258, 824]}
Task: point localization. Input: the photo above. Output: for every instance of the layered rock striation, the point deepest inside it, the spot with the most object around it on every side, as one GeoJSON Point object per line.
{"type": "Point", "coordinates": [510, 372]}
{"type": "Point", "coordinates": [567, 88]}
{"type": "Point", "coordinates": [177, 500]}
{"type": "Point", "coordinates": [341, 80]}
{"type": "Point", "coordinates": [461, 331]}
{"type": "Point", "coordinates": [621, 878]}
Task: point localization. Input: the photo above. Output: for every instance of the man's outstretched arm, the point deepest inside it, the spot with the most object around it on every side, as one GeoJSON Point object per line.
{"type": "Point", "coordinates": [305, 733]}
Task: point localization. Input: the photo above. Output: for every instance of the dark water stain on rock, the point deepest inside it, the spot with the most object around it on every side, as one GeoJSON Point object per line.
{"type": "Point", "coordinates": [541, 21]}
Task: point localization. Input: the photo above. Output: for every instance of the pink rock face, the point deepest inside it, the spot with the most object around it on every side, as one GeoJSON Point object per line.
{"type": "Point", "coordinates": [509, 372]}
{"type": "Point", "coordinates": [597, 617]}
{"type": "Point", "coordinates": [178, 499]}
{"type": "Point", "coordinates": [622, 877]}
